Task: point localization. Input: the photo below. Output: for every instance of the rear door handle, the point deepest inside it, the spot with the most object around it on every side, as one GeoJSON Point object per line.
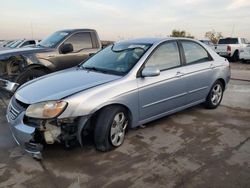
{"type": "Point", "coordinates": [179, 74]}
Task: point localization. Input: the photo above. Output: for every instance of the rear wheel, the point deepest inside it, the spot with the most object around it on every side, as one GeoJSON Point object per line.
{"type": "Point", "coordinates": [110, 128]}
{"type": "Point", "coordinates": [30, 74]}
{"type": "Point", "coordinates": [215, 96]}
{"type": "Point", "coordinates": [236, 56]}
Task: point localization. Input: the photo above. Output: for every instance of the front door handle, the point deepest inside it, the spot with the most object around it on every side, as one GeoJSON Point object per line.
{"type": "Point", "coordinates": [179, 74]}
{"type": "Point", "coordinates": [51, 55]}
{"type": "Point", "coordinates": [212, 66]}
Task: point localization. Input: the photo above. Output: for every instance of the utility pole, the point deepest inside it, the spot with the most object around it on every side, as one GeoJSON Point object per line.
{"type": "Point", "coordinates": [233, 30]}
{"type": "Point", "coordinates": [31, 28]}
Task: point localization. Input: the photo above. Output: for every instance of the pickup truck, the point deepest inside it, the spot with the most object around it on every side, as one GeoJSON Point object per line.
{"type": "Point", "coordinates": [245, 54]}
{"type": "Point", "coordinates": [61, 50]}
{"type": "Point", "coordinates": [231, 47]}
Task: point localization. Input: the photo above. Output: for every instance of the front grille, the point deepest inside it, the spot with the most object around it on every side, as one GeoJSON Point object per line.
{"type": "Point", "coordinates": [13, 112]}
{"type": "Point", "coordinates": [16, 108]}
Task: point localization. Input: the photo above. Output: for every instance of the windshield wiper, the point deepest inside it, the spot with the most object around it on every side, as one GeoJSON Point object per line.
{"type": "Point", "coordinates": [94, 69]}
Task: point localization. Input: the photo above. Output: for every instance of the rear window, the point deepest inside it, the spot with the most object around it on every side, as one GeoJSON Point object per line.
{"type": "Point", "coordinates": [229, 41]}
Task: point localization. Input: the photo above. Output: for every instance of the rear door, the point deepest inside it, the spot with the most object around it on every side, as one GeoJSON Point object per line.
{"type": "Point", "coordinates": [164, 93]}
{"type": "Point", "coordinates": [82, 47]}
{"type": "Point", "coordinates": [199, 69]}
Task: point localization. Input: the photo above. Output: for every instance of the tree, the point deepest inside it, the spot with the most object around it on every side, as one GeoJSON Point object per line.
{"type": "Point", "coordinates": [181, 33]}
{"type": "Point", "coordinates": [214, 36]}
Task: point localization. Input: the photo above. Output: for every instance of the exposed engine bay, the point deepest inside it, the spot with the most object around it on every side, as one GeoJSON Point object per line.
{"type": "Point", "coordinates": [51, 131]}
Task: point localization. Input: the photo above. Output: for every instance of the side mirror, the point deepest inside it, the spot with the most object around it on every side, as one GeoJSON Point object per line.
{"type": "Point", "coordinates": [150, 72]}
{"type": "Point", "coordinates": [66, 48]}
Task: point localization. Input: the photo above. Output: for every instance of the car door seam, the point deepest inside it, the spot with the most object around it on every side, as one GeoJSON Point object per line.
{"type": "Point", "coordinates": [164, 100]}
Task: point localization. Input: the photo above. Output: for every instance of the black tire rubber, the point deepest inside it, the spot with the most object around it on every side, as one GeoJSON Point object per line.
{"type": "Point", "coordinates": [29, 75]}
{"type": "Point", "coordinates": [208, 103]}
{"type": "Point", "coordinates": [236, 56]}
{"type": "Point", "coordinates": [103, 126]}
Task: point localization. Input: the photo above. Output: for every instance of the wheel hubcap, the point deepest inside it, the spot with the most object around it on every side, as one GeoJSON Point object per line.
{"type": "Point", "coordinates": [216, 94]}
{"type": "Point", "coordinates": [118, 127]}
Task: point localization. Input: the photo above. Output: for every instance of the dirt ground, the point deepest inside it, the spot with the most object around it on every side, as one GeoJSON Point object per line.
{"type": "Point", "coordinates": [193, 148]}
{"type": "Point", "coordinates": [240, 66]}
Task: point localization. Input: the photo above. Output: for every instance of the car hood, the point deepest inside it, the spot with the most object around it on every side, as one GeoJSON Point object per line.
{"type": "Point", "coordinates": [4, 54]}
{"type": "Point", "coordinates": [61, 84]}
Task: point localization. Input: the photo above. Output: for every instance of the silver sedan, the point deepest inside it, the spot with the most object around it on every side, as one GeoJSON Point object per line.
{"type": "Point", "coordinates": [123, 86]}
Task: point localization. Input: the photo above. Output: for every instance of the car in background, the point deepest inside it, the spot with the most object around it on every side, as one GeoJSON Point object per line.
{"type": "Point", "coordinates": [231, 47]}
{"type": "Point", "coordinates": [208, 42]}
{"type": "Point", "coordinates": [245, 54]}
{"type": "Point", "coordinates": [6, 43]}
{"type": "Point", "coordinates": [61, 50]}
{"type": "Point", "coordinates": [125, 85]}
{"type": "Point", "coordinates": [23, 43]}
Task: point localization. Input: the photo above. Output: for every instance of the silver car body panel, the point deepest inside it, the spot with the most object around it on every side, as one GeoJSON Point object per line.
{"type": "Point", "coordinates": [66, 83]}
{"type": "Point", "coordinates": [146, 98]}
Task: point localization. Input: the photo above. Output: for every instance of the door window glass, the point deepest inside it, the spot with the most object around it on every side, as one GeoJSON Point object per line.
{"type": "Point", "coordinates": [165, 57]}
{"type": "Point", "coordinates": [80, 41]}
{"type": "Point", "coordinates": [194, 52]}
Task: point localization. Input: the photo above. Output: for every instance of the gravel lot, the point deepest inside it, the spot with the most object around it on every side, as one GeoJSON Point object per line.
{"type": "Point", "coordinates": [193, 148]}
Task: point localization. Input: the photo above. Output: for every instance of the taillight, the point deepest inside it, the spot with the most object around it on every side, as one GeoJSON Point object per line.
{"type": "Point", "coordinates": [229, 48]}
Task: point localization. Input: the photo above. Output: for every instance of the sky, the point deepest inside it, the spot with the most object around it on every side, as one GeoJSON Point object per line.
{"type": "Point", "coordinates": [124, 19]}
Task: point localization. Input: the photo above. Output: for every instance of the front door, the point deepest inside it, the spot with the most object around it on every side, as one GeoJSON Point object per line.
{"type": "Point", "coordinates": [82, 47]}
{"type": "Point", "coordinates": [162, 94]}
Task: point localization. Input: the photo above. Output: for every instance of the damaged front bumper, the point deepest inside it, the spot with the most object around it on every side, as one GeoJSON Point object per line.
{"type": "Point", "coordinates": [8, 85]}
{"type": "Point", "coordinates": [31, 134]}
{"type": "Point", "coordinates": [23, 135]}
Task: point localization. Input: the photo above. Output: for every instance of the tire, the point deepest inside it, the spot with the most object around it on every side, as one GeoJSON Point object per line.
{"type": "Point", "coordinates": [236, 56]}
{"type": "Point", "coordinates": [215, 95]}
{"type": "Point", "coordinates": [108, 133]}
{"type": "Point", "coordinates": [30, 74]}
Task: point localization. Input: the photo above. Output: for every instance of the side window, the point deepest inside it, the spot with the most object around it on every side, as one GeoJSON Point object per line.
{"type": "Point", "coordinates": [165, 57]}
{"type": "Point", "coordinates": [30, 42]}
{"type": "Point", "coordinates": [194, 53]}
{"type": "Point", "coordinates": [80, 41]}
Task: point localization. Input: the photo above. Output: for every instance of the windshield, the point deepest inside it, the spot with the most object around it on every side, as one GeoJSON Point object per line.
{"type": "Point", "coordinates": [116, 59]}
{"type": "Point", "coordinates": [229, 41]}
{"type": "Point", "coordinates": [53, 40]}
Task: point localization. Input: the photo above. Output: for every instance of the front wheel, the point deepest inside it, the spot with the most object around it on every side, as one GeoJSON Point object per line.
{"type": "Point", "coordinates": [215, 96]}
{"type": "Point", "coordinates": [110, 128]}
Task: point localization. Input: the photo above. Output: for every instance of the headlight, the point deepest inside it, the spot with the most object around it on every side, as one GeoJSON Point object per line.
{"type": "Point", "coordinates": [46, 110]}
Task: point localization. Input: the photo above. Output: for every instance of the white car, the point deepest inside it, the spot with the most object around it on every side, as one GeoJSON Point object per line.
{"type": "Point", "coordinates": [245, 53]}
{"type": "Point", "coordinates": [23, 43]}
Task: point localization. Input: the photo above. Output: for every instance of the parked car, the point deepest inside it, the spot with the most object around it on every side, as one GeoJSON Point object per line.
{"type": "Point", "coordinates": [123, 86]}
{"type": "Point", "coordinates": [245, 54]}
{"type": "Point", "coordinates": [208, 42]}
{"type": "Point", "coordinates": [61, 50]}
{"type": "Point", "coordinates": [23, 42]}
{"type": "Point", "coordinates": [6, 43]}
{"type": "Point", "coordinates": [231, 47]}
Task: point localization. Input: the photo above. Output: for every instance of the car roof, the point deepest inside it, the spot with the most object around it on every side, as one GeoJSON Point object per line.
{"type": "Point", "coordinates": [151, 40]}
{"type": "Point", "coordinates": [76, 30]}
